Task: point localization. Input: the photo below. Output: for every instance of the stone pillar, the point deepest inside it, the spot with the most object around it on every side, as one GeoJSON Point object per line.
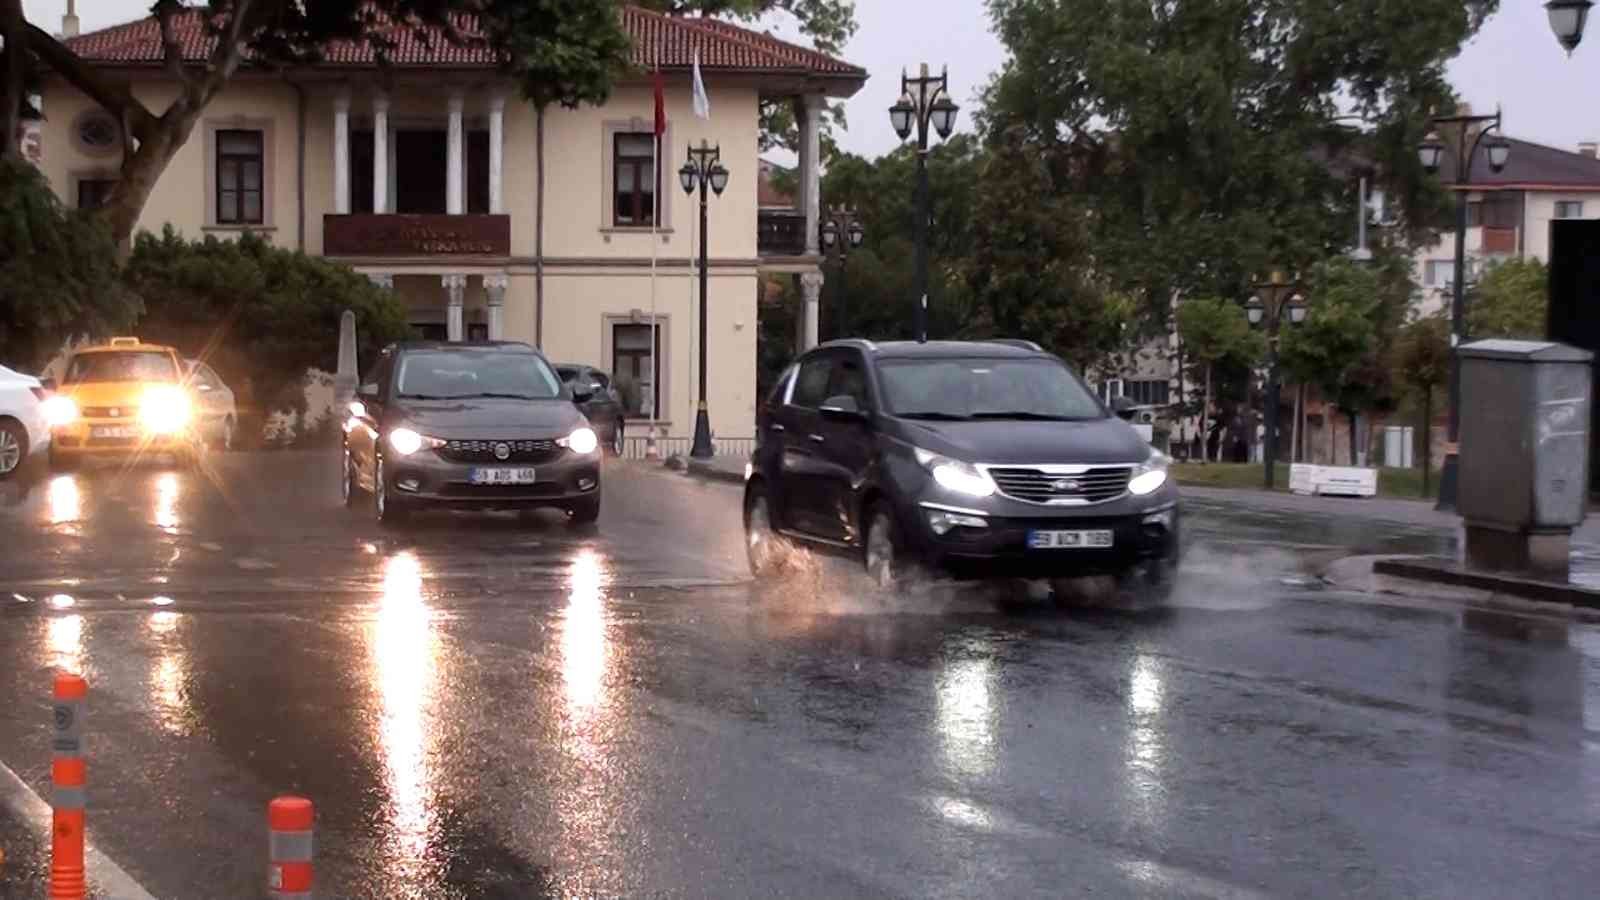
{"type": "Point", "coordinates": [380, 154]}
{"type": "Point", "coordinates": [494, 287]}
{"type": "Point", "coordinates": [811, 175]}
{"type": "Point", "coordinates": [341, 153]}
{"type": "Point", "coordinates": [453, 157]}
{"type": "Point", "coordinates": [811, 292]}
{"type": "Point", "coordinates": [497, 132]}
{"type": "Point", "coordinates": [456, 286]}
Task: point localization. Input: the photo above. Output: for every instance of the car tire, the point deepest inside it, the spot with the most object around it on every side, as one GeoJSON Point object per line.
{"type": "Point", "coordinates": [618, 439]}
{"type": "Point", "coordinates": [386, 508]}
{"type": "Point", "coordinates": [224, 441]}
{"type": "Point", "coordinates": [884, 551]}
{"type": "Point", "coordinates": [585, 512]}
{"type": "Point", "coordinates": [349, 486]}
{"type": "Point", "coordinates": [767, 551]}
{"type": "Point", "coordinates": [13, 448]}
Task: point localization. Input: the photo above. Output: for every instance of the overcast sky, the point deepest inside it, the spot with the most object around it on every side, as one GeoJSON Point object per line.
{"type": "Point", "coordinates": [1514, 62]}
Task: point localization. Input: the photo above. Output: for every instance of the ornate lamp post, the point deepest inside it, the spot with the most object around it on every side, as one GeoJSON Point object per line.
{"type": "Point", "coordinates": [841, 228]}
{"type": "Point", "coordinates": [1432, 154]}
{"type": "Point", "coordinates": [703, 170]}
{"type": "Point", "coordinates": [1567, 20]}
{"type": "Point", "coordinates": [1275, 300]}
{"type": "Point", "coordinates": [924, 101]}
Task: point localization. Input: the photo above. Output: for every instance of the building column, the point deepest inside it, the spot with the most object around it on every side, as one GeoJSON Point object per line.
{"type": "Point", "coordinates": [497, 132]}
{"type": "Point", "coordinates": [341, 153]}
{"type": "Point", "coordinates": [453, 195]}
{"type": "Point", "coordinates": [456, 286]}
{"type": "Point", "coordinates": [380, 154]}
{"type": "Point", "coordinates": [811, 175]}
{"type": "Point", "coordinates": [811, 293]}
{"type": "Point", "coordinates": [494, 287]}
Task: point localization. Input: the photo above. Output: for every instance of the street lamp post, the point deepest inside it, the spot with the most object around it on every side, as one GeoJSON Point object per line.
{"type": "Point", "coordinates": [842, 222]}
{"type": "Point", "coordinates": [1275, 299]}
{"type": "Point", "coordinates": [1432, 154]}
{"type": "Point", "coordinates": [924, 100]}
{"type": "Point", "coordinates": [703, 170]}
{"type": "Point", "coordinates": [1567, 20]}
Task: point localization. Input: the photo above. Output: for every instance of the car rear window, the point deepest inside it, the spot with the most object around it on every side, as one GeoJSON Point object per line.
{"type": "Point", "coordinates": [121, 365]}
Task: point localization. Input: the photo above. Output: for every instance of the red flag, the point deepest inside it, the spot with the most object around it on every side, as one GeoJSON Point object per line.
{"type": "Point", "coordinates": [661, 103]}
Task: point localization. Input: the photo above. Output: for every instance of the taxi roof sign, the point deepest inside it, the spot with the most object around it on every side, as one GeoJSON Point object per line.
{"type": "Point", "coordinates": [124, 342]}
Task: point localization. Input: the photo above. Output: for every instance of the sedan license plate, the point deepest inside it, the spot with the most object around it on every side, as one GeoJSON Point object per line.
{"type": "Point", "coordinates": [113, 431]}
{"type": "Point", "coordinates": [502, 476]}
{"type": "Point", "coordinates": [1069, 540]}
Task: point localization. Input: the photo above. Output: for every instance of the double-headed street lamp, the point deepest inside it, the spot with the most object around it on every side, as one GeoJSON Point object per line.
{"type": "Point", "coordinates": [1275, 301]}
{"type": "Point", "coordinates": [841, 228]}
{"type": "Point", "coordinates": [704, 169]}
{"type": "Point", "coordinates": [924, 100]}
{"type": "Point", "coordinates": [1432, 154]}
{"type": "Point", "coordinates": [1567, 19]}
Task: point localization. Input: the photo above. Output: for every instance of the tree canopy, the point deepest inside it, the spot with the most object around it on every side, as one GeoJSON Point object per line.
{"type": "Point", "coordinates": [1511, 300]}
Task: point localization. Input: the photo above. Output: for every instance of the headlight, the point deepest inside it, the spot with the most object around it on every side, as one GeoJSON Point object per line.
{"type": "Point", "coordinates": [405, 442]}
{"type": "Point", "coordinates": [60, 410]}
{"type": "Point", "coordinates": [164, 410]}
{"type": "Point", "coordinates": [954, 475]}
{"type": "Point", "coordinates": [582, 441]}
{"type": "Point", "coordinates": [1149, 476]}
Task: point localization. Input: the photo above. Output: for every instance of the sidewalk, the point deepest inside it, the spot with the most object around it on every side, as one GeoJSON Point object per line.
{"type": "Point", "coordinates": [729, 469]}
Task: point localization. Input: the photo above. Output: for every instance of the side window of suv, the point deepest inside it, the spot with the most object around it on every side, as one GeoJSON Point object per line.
{"type": "Point", "coordinates": [848, 379]}
{"type": "Point", "coordinates": [781, 389]}
{"type": "Point", "coordinates": [811, 388]}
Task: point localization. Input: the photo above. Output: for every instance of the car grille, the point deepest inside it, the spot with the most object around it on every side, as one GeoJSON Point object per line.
{"type": "Point", "coordinates": [466, 451]}
{"type": "Point", "coordinates": [108, 412]}
{"type": "Point", "coordinates": [1039, 486]}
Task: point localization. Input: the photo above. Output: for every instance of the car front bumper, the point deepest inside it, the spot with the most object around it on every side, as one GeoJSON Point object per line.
{"type": "Point", "coordinates": [79, 438]}
{"type": "Point", "coordinates": [426, 478]}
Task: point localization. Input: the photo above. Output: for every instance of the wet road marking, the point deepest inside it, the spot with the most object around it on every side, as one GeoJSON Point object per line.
{"type": "Point", "coordinates": [106, 878]}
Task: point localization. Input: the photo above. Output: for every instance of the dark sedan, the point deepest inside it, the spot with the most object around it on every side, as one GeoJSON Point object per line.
{"type": "Point", "coordinates": [604, 408]}
{"type": "Point", "coordinates": [480, 426]}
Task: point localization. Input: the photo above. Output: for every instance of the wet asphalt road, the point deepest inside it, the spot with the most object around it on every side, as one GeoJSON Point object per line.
{"type": "Point", "coordinates": [481, 708]}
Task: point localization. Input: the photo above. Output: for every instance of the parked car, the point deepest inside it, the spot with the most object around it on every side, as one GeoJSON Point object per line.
{"type": "Point", "coordinates": [123, 398]}
{"type": "Point", "coordinates": [973, 459]}
{"type": "Point", "coordinates": [478, 426]}
{"type": "Point", "coordinates": [23, 427]}
{"type": "Point", "coordinates": [217, 415]}
{"type": "Point", "coordinates": [604, 409]}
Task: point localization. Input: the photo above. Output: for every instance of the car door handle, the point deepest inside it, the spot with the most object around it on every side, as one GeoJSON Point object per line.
{"type": "Point", "coordinates": [816, 439]}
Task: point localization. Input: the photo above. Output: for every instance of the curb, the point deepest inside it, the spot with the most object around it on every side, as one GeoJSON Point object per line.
{"type": "Point", "coordinates": [703, 470]}
{"type": "Point", "coordinates": [1442, 571]}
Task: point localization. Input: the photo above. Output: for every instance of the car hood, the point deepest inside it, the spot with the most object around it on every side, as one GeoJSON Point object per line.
{"type": "Point", "coordinates": [486, 418]}
{"type": "Point", "coordinates": [1097, 441]}
{"type": "Point", "coordinates": [111, 393]}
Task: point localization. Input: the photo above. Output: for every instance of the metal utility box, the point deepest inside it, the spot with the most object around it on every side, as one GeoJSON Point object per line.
{"type": "Point", "coordinates": [1524, 451]}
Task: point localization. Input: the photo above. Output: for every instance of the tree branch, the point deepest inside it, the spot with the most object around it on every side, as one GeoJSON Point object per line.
{"type": "Point", "coordinates": [112, 96]}
{"type": "Point", "coordinates": [171, 50]}
{"type": "Point", "coordinates": [225, 57]}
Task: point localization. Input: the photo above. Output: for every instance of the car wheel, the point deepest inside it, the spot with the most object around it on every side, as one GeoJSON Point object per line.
{"type": "Point", "coordinates": [767, 551]}
{"type": "Point", "coordinates": [618, 440]}
{"type": "Point", "coordinates": [13, 448]}
{"type": "Point", "coordinates": [389, 511]}
{"type": "Point", "coordinates": [584, 512]}
{"type": "Point", "coordinates": [347, 478]}
{"type": "Point", "coordinates": [888, 564]}
{"type": "Point", "coordinates": [225, 439]}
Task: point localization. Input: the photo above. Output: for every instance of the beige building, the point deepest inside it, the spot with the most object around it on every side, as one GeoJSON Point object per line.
{"type": "Point", "coordinates": [423, 176]}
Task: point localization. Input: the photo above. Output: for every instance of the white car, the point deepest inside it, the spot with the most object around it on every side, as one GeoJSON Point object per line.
{"type": "Point", "coordinates": [217, 414]}
{"type": "Point", "coordinates": [23, 429]}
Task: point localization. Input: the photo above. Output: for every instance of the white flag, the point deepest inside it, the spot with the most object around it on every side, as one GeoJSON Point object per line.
{"type": "Point", "coordinates": [702, 103]}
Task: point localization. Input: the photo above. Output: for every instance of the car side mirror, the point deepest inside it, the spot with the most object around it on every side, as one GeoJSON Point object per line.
{"type": "Point", "coordinates": [1123, 408]}
{"type": "Point", "coordinates": [582, 394]}
{"type": "Point", "coordinates": [843, 406]}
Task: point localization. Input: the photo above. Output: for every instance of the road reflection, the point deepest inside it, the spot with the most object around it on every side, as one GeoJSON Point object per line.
{"type": "Point", "coordinates": [966, 716]}
{"type": "Point", "coordinates": [64, 642]}
{"type": "Point", "coordinates": [404, 650]}
{"type": "Point", "coordinates": [170, 673]}
{"type": "Point", "coordinates": [66, 503]}
{"type": "Point", "coordinates": [1144, 756]}
{"type": "Point", "coordinates": [166, 511]}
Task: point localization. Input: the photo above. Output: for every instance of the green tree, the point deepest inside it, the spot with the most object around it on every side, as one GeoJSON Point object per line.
{"type": "Point", "coordinates": [1199, 134]}
{"type": "Point", "coordinates": [1329, 348]}
{"type": "Point", "coordinates": [1215, 332]}
{"type": "Point", "coordinates": [261, 315]}
{"type": "Point", "coordinates": [560, 51]}
{"type": "Point", "coordinates": [1510, 301]}
{"type": "Point", "coordinates": [58, 272]}
{"type": "Point", "coordinates": [1421, 362]}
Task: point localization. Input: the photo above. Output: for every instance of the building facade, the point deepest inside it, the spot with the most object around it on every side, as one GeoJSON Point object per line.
{"type": "Point", "coordinates": [423, 176]}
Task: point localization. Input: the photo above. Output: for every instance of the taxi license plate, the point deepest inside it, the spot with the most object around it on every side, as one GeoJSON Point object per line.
{"type": "Point", "coordinates": [113, 431]}
{"type": "Point", "coordinates": [502, 476]}
{"type": "Point", "coordinates": [1069, 540]}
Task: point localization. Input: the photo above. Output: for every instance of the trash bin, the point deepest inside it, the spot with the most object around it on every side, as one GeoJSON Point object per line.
{"type": "Point", "coordinates": [1524, 453]}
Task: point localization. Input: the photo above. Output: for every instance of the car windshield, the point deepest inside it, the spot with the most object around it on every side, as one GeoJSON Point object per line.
{"type": "Point", "coordinates": [122, 365]}
{"type": "Point", "coordinates": [449, 375]}
{"type": "Point", "coordinates": [975, 388]}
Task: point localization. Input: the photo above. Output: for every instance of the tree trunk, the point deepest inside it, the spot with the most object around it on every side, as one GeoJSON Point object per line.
{"type": "Point", "coordinates": [1427, 438]}
{"type": "Point", "coordinates": [1353, 443]}
{"type": "Point", "coordinates": [1205, 422]}
{"type": "Point", "coordinates": [538, 238]}
{"type": "Point", "coordinates": [1294, 426]}
{"type": "Point", "coordinates": [1328, 426]}
{"type": "Point", "coordinates": [140, 172]}
{"type": "Point", "coordinates": [11, 27]}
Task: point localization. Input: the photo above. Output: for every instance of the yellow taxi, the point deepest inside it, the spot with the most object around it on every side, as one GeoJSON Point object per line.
{"type": "Point", "coordinates": [125, 398]}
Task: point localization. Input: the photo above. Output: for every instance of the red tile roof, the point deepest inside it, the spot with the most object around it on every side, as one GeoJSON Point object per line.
{"type": "Point", "coordinates": [671, 40]}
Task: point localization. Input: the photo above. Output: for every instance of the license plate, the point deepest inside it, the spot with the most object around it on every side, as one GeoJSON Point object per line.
{"type": "Point", "coordinates": [113, 431]}
{"type": "Point", "coordinates": [1069, 540]}
{"type": "Point", "coordinates": [502, 476]}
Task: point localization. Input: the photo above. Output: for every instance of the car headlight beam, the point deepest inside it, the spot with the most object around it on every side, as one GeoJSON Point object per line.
{"type": "Point", "coordinates": [582, 441]}
{"type": "Point", "coordinates": [60, 410]}
{"type": "Point", "coordinates": [405, 442]}
{"type": "Point", "coordinates": [165, 410]}
{"type": "Point", "coordinates": [1149, 476]}
{"type": "Point", "coordinates": [956, 476]}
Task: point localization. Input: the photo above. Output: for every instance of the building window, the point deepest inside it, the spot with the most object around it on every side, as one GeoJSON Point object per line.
{"type": "Point", "coordinates": [1438, 272]}
{"type": "Point", "coordinates": [630, 365]}
{"type": "Point", "coordinates": [634, 181]}
{"type": "Point", "coordinates": [239, 173]}
{"type": "Point", "coordinates": [93, 192]}
{"type": "Point", "coordinates": [1146, 391]}
{"type": "Point", "coordinates": [1569, 209]}
{"type": "Point", "coordinates": [96, 133]}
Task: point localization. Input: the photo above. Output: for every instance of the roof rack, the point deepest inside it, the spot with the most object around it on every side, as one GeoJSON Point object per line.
{"type": "Point", "coordinates": [1018, 343]}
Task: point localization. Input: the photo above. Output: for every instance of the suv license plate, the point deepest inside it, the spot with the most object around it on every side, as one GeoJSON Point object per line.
{"type": "Point", "coordinates": [502, 476]}
{"type": "Point", "coordinates": [1069, 540]}
{"type": "Point", "coordinates": [113, 431]}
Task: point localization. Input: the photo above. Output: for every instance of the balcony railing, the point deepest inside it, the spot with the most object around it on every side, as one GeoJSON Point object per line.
{"type": "Point", "coordinates": [781, 232]}
{"type": "Point", "coordinates": [365, 234]}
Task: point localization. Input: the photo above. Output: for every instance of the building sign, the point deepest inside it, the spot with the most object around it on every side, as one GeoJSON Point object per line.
{"type": "Point", "coordinates": [416, 235]}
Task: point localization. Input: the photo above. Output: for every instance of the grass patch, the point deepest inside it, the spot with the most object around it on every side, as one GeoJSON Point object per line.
{"type": "Point", "coordinates": [1397, 483]}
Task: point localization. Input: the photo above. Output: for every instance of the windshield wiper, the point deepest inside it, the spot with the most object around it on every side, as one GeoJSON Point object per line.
{"type": "Point", "coordinates": [499, 396]}
{"type": "Point", "coordinates": [934, 416]}
{"type": "Point", "coordinates": [1029, 416]}
{"type": "Point", "coordinates": [424, 397]}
